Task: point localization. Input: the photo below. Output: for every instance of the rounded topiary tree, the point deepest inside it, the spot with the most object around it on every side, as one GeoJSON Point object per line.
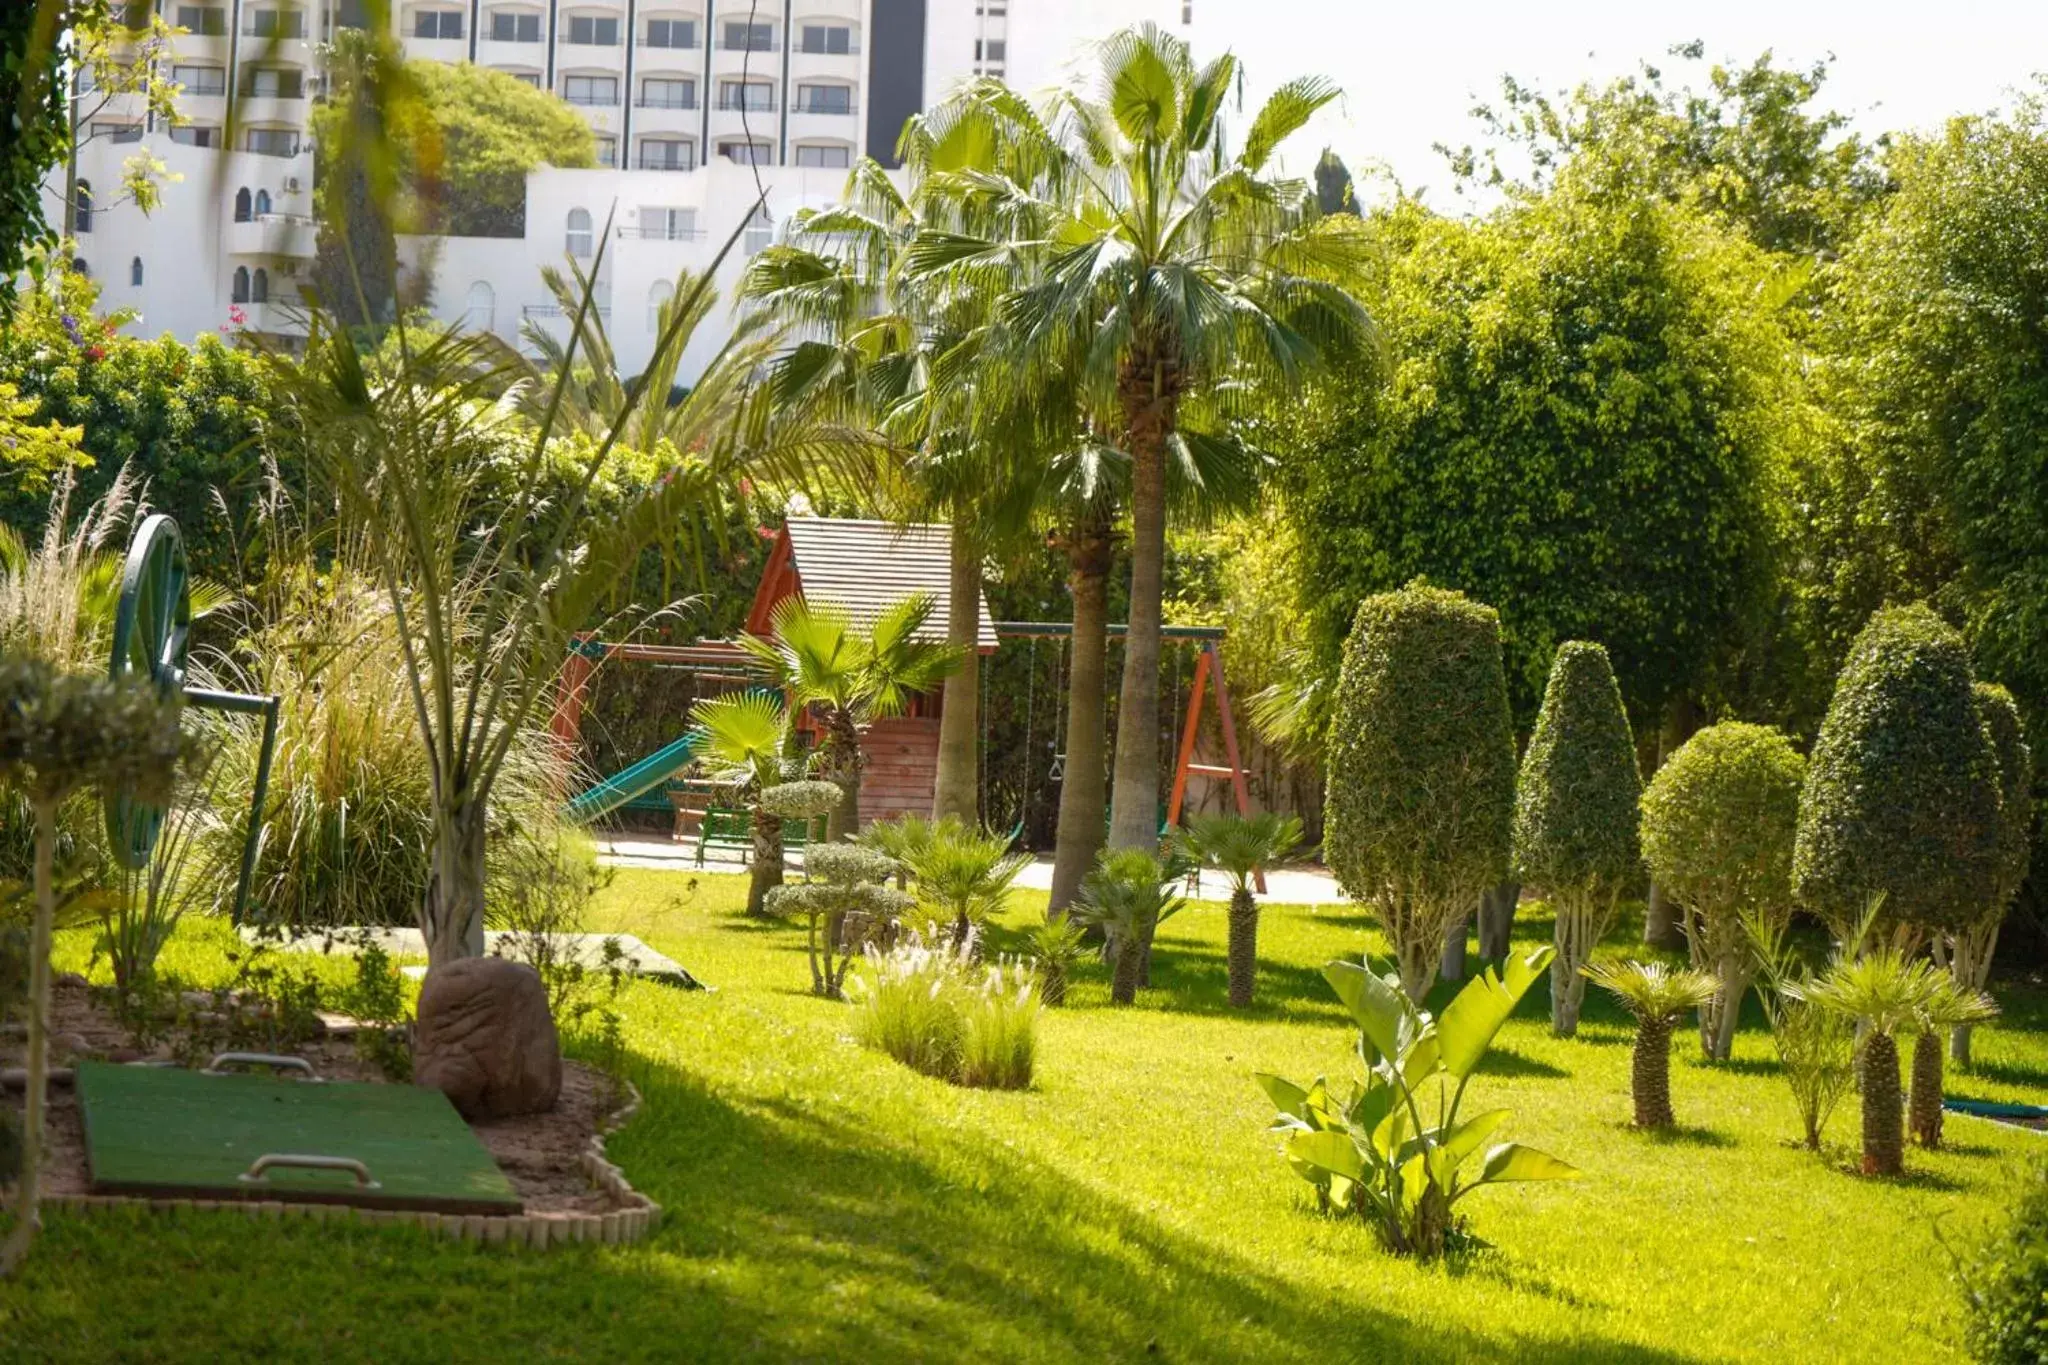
{"type": "Point", "coordinates": [1970, 947]}
{"type": "Point", "coordinates": [1719, 820]}
{"type": "Point", "coordinates": [1420, 811]}
{"type": "Point", "coordinates": [1901, 804]}
{"type": "Point", "coordinates": [844, 900]}
{"type": "Point", "coordinates": [1575, 815]}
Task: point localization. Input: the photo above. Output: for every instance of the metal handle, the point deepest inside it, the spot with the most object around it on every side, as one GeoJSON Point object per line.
{"type": "Point", "coordinates": [255, 1174]}
{"type": "Point", "coordinates": [269, 1059]}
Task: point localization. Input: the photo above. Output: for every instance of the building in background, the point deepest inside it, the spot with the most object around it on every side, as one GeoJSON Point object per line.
{"type": "Point", "coordinates": [699, 107]}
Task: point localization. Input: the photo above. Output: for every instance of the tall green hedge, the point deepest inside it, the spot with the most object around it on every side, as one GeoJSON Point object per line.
{"type": "Point", "coordinates": [1902, 796]}
{"type": "Point", "coordinates": [2015, 789]}
{"type": "Point", "coordinates": [1421, 791]}
{"type": "Point", "coordinates": [1575, 806]}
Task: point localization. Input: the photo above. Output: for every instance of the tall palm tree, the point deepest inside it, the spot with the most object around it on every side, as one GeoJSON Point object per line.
{"type": "Point", "coordinates": [1884, 992]}
{"type": "Point", "coordinates": [1156, 271]}
{"type": "Point", "coordinates": [1241, 847]}
{"type": "Point", "coordinates": [743, 741]}
{"type": "Point", "coordinates": [1658, 996]}
{"type": "Point", "coordinates": [818, 657]}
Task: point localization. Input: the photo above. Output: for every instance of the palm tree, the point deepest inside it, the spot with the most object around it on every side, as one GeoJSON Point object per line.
{"type": "Point", "coordinates": [817, 657]}
{"type": "Point", "coordinates": [1241, 847]}
{"type": "Point", "coordinates": [1658, 996]}
{"type": "Point", "coordinates": [1948, 1006]}
{"type": "Point", "coordinates": [1883, 991]}
{"type": "Point", "coordinates": [1126, 897]}
{"type": "Point", "coordinates": [743, 741]}
{"type": "Point", "coordinates": [965, 874]}
{"type": "Point", "coordinates": [1157, 272]}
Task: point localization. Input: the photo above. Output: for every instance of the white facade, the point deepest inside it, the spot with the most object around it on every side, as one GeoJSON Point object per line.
{"type": "Point", "coordinates": [682, 94]}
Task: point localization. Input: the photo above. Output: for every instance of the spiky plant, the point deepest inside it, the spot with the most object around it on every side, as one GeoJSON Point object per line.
{"type": "Point", "coordinates": [1816, 1047]}
{"type": "Point", "coordinates": [1948, 1006]}
{"type": "Point", "coordinates": [744, 741]}
{"type": "Point", "coordinates": [1884, 992]}
{"type": "Point", "coordinates": [1056, 948]}
{"type": "Point", "coordinates": [964, 874]}
{"type": "Point", "coordinates": [1126, 897]}
{"type": "Point", "coordinates": [1241, 847]}
{"type": "Point", "coordinates": [1658, 996]}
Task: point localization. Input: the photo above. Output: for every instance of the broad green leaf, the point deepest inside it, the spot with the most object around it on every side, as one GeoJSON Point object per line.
{"type": "Point", "coordinates": [1414, 1179]}
{"type": "Point", "coordinates": [1287, 1097]}
{"type": "Point", "coordinates": [1375, 1099]}
{"type": "Point", "coordinates": [1332, 1152]}
{"type": "Point", "coordinates": [1377, 1008]}
{"type": "Point", "coordinates": [1467, 1026]}
{"type": "Point", "coordinates": [1421, 1060]}
{"type": "Point", "coordinates": [1513, 1161]}
{"type": "Point", "coordinates": [1466, 1137]}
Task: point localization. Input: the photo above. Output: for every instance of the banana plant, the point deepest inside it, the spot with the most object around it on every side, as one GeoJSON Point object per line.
{"type": "Point", "coordinates": [1399, 1152]}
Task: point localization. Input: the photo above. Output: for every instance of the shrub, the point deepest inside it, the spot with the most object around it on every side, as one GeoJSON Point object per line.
{"type": "Point", "coordinates": [547, 883]}
{"type": "Point", "coordinates": [1126, 896]}
{"type": "Point", "coordinates": [962, 874]}
{"type": "Point", "coordinates": [1882, 992]}
{"type": "Point", "coordinates": [1971, 947]}
{"type": "Point", "coordinates": [1056, 948]}
{"type": "Point", "coordinates": [842, 900]}
{"type": "Point", "coordinates": [937, 1011]}
{"type": "Point", "coordinates": [1657, 997]}
{"type": "Point", "coordinates": [1901, 799]}
{"type": "Point", "coordinates": [1575, 815]}
{"type": "Point", "coordinates": [1718, 824]}
{"type": "Point", "coordinates": [1374, 1155]}
{"type": "Point", "coordinates": [2005, 1285]}
{"type": "Point", "coordinates": [1816, 1047]}
{"type": "Point", "coordinates": [1421, 768]}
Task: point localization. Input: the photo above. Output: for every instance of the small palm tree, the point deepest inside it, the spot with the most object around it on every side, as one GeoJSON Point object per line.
{"type": "Point", "coordinates": [1658, 996]}
{"type": "Point", "coordinates": [1241, 847]}
{"type": "Point", "coordinates": [1056, 949]}
{"type": "Point", "coordinates": [964, 874]}
{"type": "Point", "coordinates": [818, 657]}
{"type": "Point", "coordinates": [744, 742]}
{"type": "Point", "coordinates": [1126, 897]}
{"type": "Point", "coordinates": [1884, 992]}
{"type": "Point", "coordinates": [1948, 1006]}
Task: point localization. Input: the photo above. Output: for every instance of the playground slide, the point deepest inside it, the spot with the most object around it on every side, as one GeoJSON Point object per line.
{"type": "Point", "coordinates": [643, 777]}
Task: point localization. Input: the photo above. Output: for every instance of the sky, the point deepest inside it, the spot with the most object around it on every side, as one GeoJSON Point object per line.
{"type": "Point", "coordinates": [1412, 71]}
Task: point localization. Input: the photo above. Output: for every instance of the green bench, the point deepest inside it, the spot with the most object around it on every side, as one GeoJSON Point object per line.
{"type": "Point", "coordinates": [729, 827]}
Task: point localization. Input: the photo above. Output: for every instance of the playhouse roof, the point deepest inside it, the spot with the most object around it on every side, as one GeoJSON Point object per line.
{"type": "Point", "coordinates": [861, 568]}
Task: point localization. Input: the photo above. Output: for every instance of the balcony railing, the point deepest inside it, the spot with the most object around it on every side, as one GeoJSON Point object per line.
{"type": "Point", "coordinates": [647, 163]}
{"type": "Point", "coordinates": [593, 101]}
{"type": "Point", "coordinates": [665, 102]}
{"type": "Point", "coordinates": [661, 234]}
{"type": "Point", "coordinates": [733, 105]}
{"type": "Point", "coordinates": [847, 107]}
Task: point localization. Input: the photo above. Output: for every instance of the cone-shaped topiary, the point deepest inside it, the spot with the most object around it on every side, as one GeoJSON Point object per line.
{"type": "Point", "coordinates": [1575, 814]}
{"type": "Point", "coordinates": [1901, 798]}
{"type": "Point", "coordinates": [1970, 947]}
{"type": "Point", "coordinates": [1657, 996]}
{"type": "Point", "coordinates": [1420, 812]}
{"type": "Point", "coordinates": [1718, 824]}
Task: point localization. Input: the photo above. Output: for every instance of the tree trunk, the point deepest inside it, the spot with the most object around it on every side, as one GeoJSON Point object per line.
{"type": "Point", "coordinates": [1052, 983]}
{"type": "Point", "coordinates": [1650, 1074]}
{"type": "Point", "coordinates": [1148, 420]}
{"type": "Point", "coordinates": [1580, 918]}
{"type": "Point", "coordinates": [1497, 920]}
{"type": "Point", "coordinates": [28, 1188]}
{"type": "Point", "coordinates": [954, 792]}
{"type": "Point", "coordinates": [1416, 956]}
{"type": "Point", "coordinates": [766, 873]}
{"type": "Point", "coordinates": [1244, 946]}
{"type": "Point", "coordinates": [1123, 984]}
{"type": "Point", "coordinates": [1923, 1108]}
{"type": "Point", "coordinates": [1719, 1017]}
{"type": "Point", "coordinates": [1452, 967]}
{"type": "Point", "coordinates": [1151, 931]}
{"type": "Point", "coordinates": [1660, 916]}
{"type": "Point", "coordinates": [1083, 786]}
{"type": "Point", "coordinates": [1883, 1117]}
{"type": "Point", "coordinates": [452, 915]}
{"type": "Point", "coordinates": [846, 761]}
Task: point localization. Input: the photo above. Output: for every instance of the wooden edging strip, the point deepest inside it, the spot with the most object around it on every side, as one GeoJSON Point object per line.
{"type": "Point", "coordinates": [638, 1216]}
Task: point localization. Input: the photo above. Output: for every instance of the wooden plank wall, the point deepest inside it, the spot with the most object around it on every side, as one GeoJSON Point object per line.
{"type": "Point", "coordinates": [903, 767]}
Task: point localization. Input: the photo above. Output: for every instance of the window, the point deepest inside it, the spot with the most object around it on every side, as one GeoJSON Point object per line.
{"type": "Point", "coordinates": [579, 240]}
{"type": "Point", "coordinates": [203, 21]}
{"type": "Point", "coordinates": [242, 202]}
{"type": "Point", "coordinates": [271, 141]}
{"type": "Point", "coordinates": [192, 135]}
{"type": "Point", "coordinates": [833, 39]}
{"type": "Point", "coordinates": [1187, 11]}
{"type": "Point", "coordinates": [607, 151]}
{"type": "Point", "coordinates": [590, 30]}
{"type": "Point", "coordinates": [591, 90]}
{"type": "Point", "coordinates": [667, 154]}
{"type": "Point", "coordinates": [262, 202]}
{"type": "Point", "coordinates": [748, 95]}
{"type": "Point", "coordinates": [657, 298]}
{"type": "Point", "coordinates": [749, 37]}
{"type": "Point", "coordinates": [531, 78]}
{"type": "Point", "coordinates": [824, 156]}
{"type": "Point", "coordinates": [667, 224]}
{"type": "Point", "coordinates": [274, 23]}
{"type": "Point", "coordinates": [760, 231]}
{"type": "Point", "coordinates": [824, 99]}
{"type": "Point", "coordinates": [259, 286]}
{"type": "Point", "coordinates": [668, 94]}
{"type": "Point", "coordinates": [507, 27]}
{"type": "Point", "coordinates": [990, 51]}
{"type": "Point", "coordinates": [437, 23]}
{"type": "Point", "coordinates": [82, 206]}
{"type": "Point", "coordinates": [277, 82]}
{"type": "Point", "coordinates": [201, 80]}
{"type": "Point", "coordinates": [671, 33]}
{"type": "Point", "coordinates": [238, 292]}
{"type": "Point", "coordinates": [135, 273]}
{"type": "Point", "coordinates": [117, 132]}
{"type": "Point", "coordinates": [482, 313]}
{"type": "Point", "coordinates": [746, 153]}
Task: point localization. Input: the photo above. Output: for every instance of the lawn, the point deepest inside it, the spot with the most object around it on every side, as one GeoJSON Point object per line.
{"type": "Point", "coordinates": [824, 1203]}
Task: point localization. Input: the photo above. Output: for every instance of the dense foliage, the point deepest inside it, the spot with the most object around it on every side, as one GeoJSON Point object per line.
{"type": "Point", "coordinates": [36, 113]}
{"type": "Point", "coordinates": [491, 129]}
{"type": "Point", "coordinates": [2006, 1282]}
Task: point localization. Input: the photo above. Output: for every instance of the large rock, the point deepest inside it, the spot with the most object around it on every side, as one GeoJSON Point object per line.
{"type": "Point", "coordinates": [486, 1040]}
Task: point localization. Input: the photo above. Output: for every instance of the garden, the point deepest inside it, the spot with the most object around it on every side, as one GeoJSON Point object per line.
{"type": "Point", "coordinates": [500, 856]}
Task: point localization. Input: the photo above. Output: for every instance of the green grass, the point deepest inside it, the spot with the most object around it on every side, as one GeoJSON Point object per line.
{"type": "Point", "coordinates": [824, 1202]}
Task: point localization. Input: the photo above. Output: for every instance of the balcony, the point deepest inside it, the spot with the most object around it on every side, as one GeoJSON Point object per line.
{"type": "Point", "coordinates": [275, 317]}
{"type": "Point", "coordinates": [273, 234]}
{"type": "Point", "coordinates": [660, 234]}
{"type": "Point", "coordinates": [666, 102]}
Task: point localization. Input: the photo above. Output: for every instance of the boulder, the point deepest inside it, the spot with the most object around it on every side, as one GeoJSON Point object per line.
{"type": "Point", "coordinates": [486, 1040]}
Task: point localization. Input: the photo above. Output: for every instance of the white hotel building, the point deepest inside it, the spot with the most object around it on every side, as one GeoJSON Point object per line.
{"type": "Point", "coordinates": [690, 100]}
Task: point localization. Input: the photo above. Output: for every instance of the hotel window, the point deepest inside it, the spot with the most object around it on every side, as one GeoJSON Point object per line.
{"type": "Point", "coordinates": [194, 135]}
{"type": "Point", "coordinates": [990, 51]}
{"type": "Point", "coordinates": [271, 141]}
{"type": "Point", "coordinates": [667, 224]}
{"type": "Point", "coordinates": [590, 30]}
{"type": "Point", "coordinates": [749, 38]}
{"type": "Point", "coordinates": [657, 298]}
{"type": "Point", "coordinates": [824, 99]}
{"type": "Point", "coordinates": [667, 154]}
{"type": "Point", "coordinates": [671, 33]}
{"type": "Point", "coordinates": [668, 94]}
{"type": "Point", "coordinates": [607, 151]}
{"type": "Point", "coordinates": [531, 78]}
{"type": "Point", "coordinates": [748, 95]}
{"type": "Point", "coordinates": [824, 156]}
{"type": "Point", "coordinates": [274, 23]}
{"type": "Point", "coordinates": [578, 238]}
{"type": "Point", "coordinates": [117, 132]}
{"type": "Point", "coordinates": [745, 153]}
{"type": "Point", "coordinates": [135, 272]}
{"type": "Point", "coordinates": [201, 80]}
{"type": "Point", "coordinates": [833, 40]}
{"type": "Point", "coordinates": [760, 232]}
{"type": "Point", "coordinates": [437, 23]}
{"type": "Point", "coordinates": [203, 21]}
{"type": "Point", "coordinates": [277, 82]}
{"type": "Point", "coordinates": [481, 314]}
{"type": "Point", "coordinates": [591, 90]}
{"type": "Point", "coordinates": [515, 28]}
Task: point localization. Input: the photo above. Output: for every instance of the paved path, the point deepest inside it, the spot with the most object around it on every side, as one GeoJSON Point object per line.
{"type": "Point", "coordinates": [1307, 885]}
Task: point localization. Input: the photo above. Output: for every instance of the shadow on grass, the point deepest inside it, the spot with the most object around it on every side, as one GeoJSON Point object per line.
{"type": "Point", "coordinates": [1679, 1135]}
{"type": "Point", "coordinates": [1505, 1061]}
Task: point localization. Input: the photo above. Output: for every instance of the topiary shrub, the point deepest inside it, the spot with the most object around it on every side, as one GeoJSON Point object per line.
{"type": "Point", "coordinates": [1420, 808]}
{"type": "Point", "coordinates": [1901, 800]}
{"type": "Point", "coordinates": [1575, 815]}
{"type": "Point", "coordinates": [843, 900]}
{"type": "Point", "coordinates": [1719, 819]}
{"type": "Point", "coordinates": [2006, 1284]}
{"type": "Point", "coordinates": [1970, 948]}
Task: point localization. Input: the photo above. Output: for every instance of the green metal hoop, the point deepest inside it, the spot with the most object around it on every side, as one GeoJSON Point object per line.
{"type": "Point", "coordinates": [152, 637]}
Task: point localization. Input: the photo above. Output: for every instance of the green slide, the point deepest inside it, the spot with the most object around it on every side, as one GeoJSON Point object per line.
{"type": "Point", "coordinates": [635, 782]}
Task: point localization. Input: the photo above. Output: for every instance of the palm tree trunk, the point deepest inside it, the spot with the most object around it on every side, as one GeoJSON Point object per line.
{"type": "Point", "coordinates": [846, 761]}
{"type": "Point", "coordinates": [1650, 1074]}
{"type": "Point", "coordinates": [1123, 983]}
{"type": "Point", "coordinates": [452, 915]}
{"type": "Point", "coordinates": [1923, 1107]}
{"type": "Point", "coordinates": [1148, 420]}
{"type": "Point", "coordinates": [1884, 1142]}
{"type": "Point", "coordinates": [766, 873]}
{"type": "Point", "coordinates": [1244, 946]}
{"type": "Point", "coordinates": [1083, 787]}
{"type": "Point", "coordinates": [28, 1187]}
{"type": "Point", "coordinates": [953, 791]}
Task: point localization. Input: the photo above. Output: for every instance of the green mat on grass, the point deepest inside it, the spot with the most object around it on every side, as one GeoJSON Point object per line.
{"type": "Point", "coordinates": [169, 1133]}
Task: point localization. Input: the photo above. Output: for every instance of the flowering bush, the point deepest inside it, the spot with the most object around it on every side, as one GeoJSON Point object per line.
{"type": "Point", "coordinates": [929, 1004]}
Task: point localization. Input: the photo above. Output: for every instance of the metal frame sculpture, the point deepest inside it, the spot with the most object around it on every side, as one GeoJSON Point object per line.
{"type": "Point", "coordinates": [153, 639]}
